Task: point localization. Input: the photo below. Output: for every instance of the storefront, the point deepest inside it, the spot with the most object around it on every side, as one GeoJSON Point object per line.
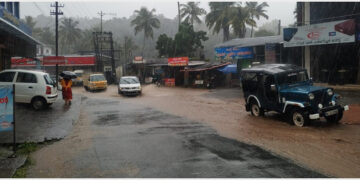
{"type": "Point", "coordinates": [15, 35]}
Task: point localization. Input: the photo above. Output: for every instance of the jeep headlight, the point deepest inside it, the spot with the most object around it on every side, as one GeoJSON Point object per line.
{"type": "Point", "coordinates": [311, 96]}
{"type": "Point", "coordinates": [330, 92]}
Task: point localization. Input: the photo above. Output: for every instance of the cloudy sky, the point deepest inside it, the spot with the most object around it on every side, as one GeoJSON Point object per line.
{"type": "Point", "coordinates": [282, 10]}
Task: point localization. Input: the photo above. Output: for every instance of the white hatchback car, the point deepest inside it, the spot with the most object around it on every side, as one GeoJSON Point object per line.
{"type": "Point", "coordinates": [33, 87]}
{"type": "Point", "coordinates": [129, 85]}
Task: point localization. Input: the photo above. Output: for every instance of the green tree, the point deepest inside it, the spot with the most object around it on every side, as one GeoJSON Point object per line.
{"type": "Point", "coordinates": [239, 18]}
{"type": "Point", "coordinates": [187, 40]}
{"type": "Point", "coordinates": [29, 20]}
{"type": "Point", "coordinates": [256, 10]}
{"type": "Point", "coordinates": [191, 12]}
{"type": "Point", "coordinates": [218, 18]}
{"type": "Point", "coordinates": [263, 32]}
{"type": "Point", "coordinates": [145, 21]}
{"type": "Point", "coordinates": [165, 45]}
{"type": "Point", "coordinates": [47, 36]}
{"type": "Point", "coordinates": [69, 33]}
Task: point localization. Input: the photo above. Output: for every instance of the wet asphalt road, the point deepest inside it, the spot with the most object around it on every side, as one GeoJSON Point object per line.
{"type": "Point", "coordinates": [134, 141]}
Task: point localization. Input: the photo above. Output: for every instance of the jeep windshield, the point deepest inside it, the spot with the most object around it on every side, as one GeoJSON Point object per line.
{"type": "Point", "coordinates": [292, 78]}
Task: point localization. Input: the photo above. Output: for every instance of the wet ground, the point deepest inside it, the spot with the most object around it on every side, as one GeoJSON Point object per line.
{"type": "Point", "coordinates": [330, 149]}
{"type": "Point", "coordinates": [37, 126]}
{"type": "Point", "coordinates": [119, 138]}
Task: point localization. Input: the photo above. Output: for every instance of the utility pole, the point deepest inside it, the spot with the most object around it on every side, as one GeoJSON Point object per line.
{"type": "Point", "coordinates": [57, 12]}
{"type": "Point", "coordinates": [179, 14]}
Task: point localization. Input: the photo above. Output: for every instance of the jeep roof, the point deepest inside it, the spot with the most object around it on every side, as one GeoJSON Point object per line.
{"type": "Point", "coordinates": [273, 68]}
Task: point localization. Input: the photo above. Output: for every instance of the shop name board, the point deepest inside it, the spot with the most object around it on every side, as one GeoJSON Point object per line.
{"type": "Point", "coordinates": [22, 62]}
{"type": "Point", "coordinates": [138, 60]}
{"type": "Point", "coordinates": [317, 34]}
{"type": "Point", "coordinates": [53, 60]}
{"type": "Point", "coordinates": [231, 53]}
{"type": "Point", "coordinates": [178, 61]}
{"type": "Point", "coordinates": [6, 108]}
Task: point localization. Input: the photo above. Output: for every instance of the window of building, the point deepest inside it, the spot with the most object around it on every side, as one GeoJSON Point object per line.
{"type": "Point", "coordinates": [7, 76]}
{"type": "Point", "coordinates": [26, 78]}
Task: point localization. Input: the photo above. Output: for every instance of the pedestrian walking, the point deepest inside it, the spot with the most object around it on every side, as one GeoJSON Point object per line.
{"type": "Point", "coordinates": [66, 84]}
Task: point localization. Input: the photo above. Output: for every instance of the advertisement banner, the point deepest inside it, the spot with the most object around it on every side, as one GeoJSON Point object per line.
{"type": "Point", "coordinates": [6, 108]}
{"type": "Point", "coordinates": [324, 33]}
{"type": "Point", "coordinates": [28, 62]}
{"type": "Point", "coordinates": [230, 53]}
{"type": "Point", "coordinates": [270, 53]}
{"type": "Point", "coordinates": [178, 61]}
{"type": "Point", "coordinates": [53, 60]}
{"type": "Point", "coordinates": [169, 82]}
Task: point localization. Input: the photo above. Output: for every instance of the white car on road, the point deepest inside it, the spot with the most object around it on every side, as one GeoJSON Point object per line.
{"type": "Point", "coordinates": [33, 87]}
{"type": "Point", "coordinates": [129, 85]}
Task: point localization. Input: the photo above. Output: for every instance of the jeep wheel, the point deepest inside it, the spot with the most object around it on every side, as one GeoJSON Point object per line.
{"type": "Point", "coordinates": [299, 117]}
{"type": "Point", "coordinates": [38, 103]}
{"type": "Point", "coordinates": [334, 118]}
{"type": "Point", "coordinates": [255, 109]}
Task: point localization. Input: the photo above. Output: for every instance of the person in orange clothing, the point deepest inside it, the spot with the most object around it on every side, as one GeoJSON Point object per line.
{"type": "Point", "coordinates": [66, 84]}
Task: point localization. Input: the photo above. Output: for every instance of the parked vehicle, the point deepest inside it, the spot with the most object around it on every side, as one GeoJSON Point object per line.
{"type": "Point", "coordinates": [78, 81]}
{"type": "Point", "coordinates": [287, 89]}
{"type": "Point", "coordinates": [95, 81]}
{"type": "Point", "coordinates": [33, 87]}
{"type": "Point", "coordinates": [129, 85]}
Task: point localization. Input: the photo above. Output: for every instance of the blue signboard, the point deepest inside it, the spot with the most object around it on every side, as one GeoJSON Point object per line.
{"type": "Point", "coordinates": [234, 52]}
{"type": "Point", "coordinates": [6, 108]}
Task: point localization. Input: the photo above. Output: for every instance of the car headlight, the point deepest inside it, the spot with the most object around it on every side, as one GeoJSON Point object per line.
{"type": "Point", "coordinates": [311, 96]}
{"type": "Point", "coordinates": [330, 92]}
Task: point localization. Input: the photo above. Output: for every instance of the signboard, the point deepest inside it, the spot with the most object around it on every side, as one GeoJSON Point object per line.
{"type": "Point", "coordinates": [53, 60]}
{"type": "Point", "coordinates": [80, 61]}
{"type": "Point", "coordinates": [270, 53]}
{"type": "Point", "coordinates": [178, 61]}
{"type": "Point", "coordinates": [230, 53]}
{"type": "Point", "coordinates": [138, 60]}
{"type": "Point", "coordinates": [6, 108]}
{"type": "Point", "coordinates": [324, 33]}
{"type": "Point", "coordinates": [169, 82]}
{"type": "Point", "coordinates": [28, 62]}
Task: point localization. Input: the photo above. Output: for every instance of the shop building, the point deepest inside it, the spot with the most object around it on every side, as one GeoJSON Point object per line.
{"type": "Point", "coordinates": [15, 35]}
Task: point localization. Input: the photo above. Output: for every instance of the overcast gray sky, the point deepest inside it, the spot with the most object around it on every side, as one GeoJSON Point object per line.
{"type": "Point", "coordinates": [282, 10]}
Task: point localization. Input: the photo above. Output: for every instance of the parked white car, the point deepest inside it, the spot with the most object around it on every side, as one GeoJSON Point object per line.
{"type": "Point", "coordinates": [33, 87]}
{"type": "Point", "coordinates": [129, 85]}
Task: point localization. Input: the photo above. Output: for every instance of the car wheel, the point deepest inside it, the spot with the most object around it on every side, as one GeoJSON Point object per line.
{"type": "Point", "coordinates": [38, 103]}
{"type": "Point", "coordinates": [335, 118]}
{"type": "Point", "coordinates": [299, 117]}
{"type": "Point", "coordinates": [255, 109]}
{"type": "Point", "coordinates": [86, 89]}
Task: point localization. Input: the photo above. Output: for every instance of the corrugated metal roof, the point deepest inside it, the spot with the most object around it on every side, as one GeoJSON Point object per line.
{"type": "Point", "coordinates": [248, 42]}
{"type": "Point", "coordinates": [6, 26]}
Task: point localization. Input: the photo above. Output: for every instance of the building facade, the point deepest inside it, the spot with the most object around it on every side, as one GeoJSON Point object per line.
{"type": "Point", "coordinates": [15, 35]}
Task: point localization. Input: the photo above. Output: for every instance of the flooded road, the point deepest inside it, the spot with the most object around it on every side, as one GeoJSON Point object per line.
{"type": "Point", "coordinates": [117, 138]}
{"type": "Point", "coordinates": [329, 149]}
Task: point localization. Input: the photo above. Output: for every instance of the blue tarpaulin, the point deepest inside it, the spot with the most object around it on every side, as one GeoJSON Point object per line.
{"type": "Point", "coordinates": [231, 68]}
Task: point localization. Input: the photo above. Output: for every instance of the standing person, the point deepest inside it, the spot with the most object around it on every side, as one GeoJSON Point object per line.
{"type": "Point", "coordinates": [66, 84]}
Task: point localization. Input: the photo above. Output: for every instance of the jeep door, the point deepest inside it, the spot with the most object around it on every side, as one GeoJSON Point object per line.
{"type": "Point", "coordinates": [270, 93]}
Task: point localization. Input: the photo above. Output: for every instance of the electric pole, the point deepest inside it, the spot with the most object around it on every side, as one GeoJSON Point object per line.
{"type": "Point", "coordinates": [57, 12]}
{"type": "Point", "coordinates": [179, 13]}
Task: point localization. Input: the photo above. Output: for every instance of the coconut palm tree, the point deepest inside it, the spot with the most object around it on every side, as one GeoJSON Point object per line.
{"type": "Point", "coordinates": [191, 11]}
{"type": "Point", "coordinates": [68, 33]}
{"type": "Point", "coordinates": [145, 21]}
{"type": "Point", "coordinates": [256, 10]}
{"type": "Point", "coordinates": [240, 17]}
{"type": "Point", "coordinates": [218, 18]}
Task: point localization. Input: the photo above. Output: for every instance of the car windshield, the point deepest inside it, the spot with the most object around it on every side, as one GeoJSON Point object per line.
{"type": "Point", "coordinates": [292, 78]}
{"type": "Point", "coordinates": [129, 81]}
{"type": "Point", "coordinates": [97, 78]}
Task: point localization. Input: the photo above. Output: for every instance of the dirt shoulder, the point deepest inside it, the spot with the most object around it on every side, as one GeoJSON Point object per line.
{"type": "Point", "coordinates": [329, 149]}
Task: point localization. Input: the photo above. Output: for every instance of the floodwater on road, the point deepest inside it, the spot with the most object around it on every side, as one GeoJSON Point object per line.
{"type": "Point", "coordinates": [115, 138]}
{"type": "Point", "coordinates": [329, 149]}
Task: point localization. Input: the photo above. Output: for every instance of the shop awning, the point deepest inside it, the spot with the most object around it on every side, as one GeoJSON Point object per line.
{"type": "Point", "coordinates": [207, 66]}
{"type": "Point", "coordinates": [231, 68]}
{"type": "Point", "coordinates": [12, 29]}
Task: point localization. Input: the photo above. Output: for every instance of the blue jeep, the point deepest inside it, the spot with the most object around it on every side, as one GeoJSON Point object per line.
{"type": "Point", "coordinates": [287, 89]}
